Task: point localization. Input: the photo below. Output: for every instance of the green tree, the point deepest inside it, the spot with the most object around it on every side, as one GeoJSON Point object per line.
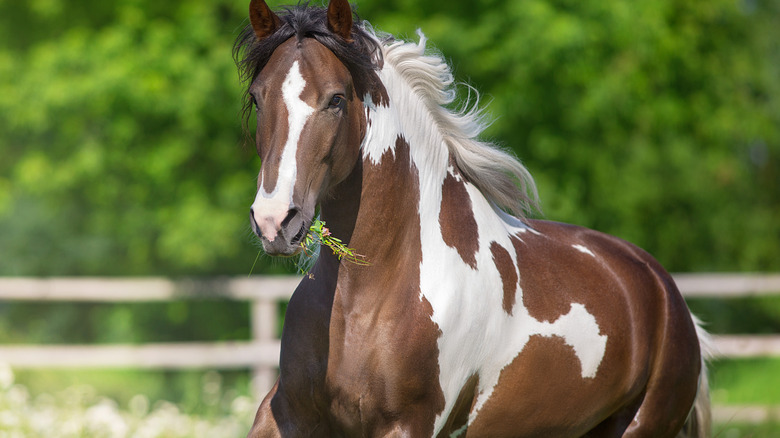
{"type": "Point", "coordinates": [121, 141]}
{"type": "Point", "coordinates": [656, 122]}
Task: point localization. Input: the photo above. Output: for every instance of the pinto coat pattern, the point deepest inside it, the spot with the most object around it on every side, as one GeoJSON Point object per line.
{"type": "Point", "coordinates": [468, 321]}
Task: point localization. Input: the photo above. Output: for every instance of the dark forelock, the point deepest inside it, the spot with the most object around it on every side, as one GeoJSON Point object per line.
{"type": "Point", "coordinates": [361, 57]}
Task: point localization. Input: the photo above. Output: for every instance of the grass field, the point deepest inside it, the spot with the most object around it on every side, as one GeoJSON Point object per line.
{"type": "Point", "coordinates": [205, 399]}
{"type": "Point", "coordinates": [735, 430]}
{"type": "Point", "coordinates": [733, 382]}
{"type": "Point", "coordinates": [194, 392]}
{"type": "Point", "coordinates": [82, 410]}
{"type": "Point", "coordinates": [746, 381]}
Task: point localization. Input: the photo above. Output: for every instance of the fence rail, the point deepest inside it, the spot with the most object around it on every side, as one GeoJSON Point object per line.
{"type": "Point", "coordinates": [261, 353]}
{"type": "Point", "coordinates": [727, 285]}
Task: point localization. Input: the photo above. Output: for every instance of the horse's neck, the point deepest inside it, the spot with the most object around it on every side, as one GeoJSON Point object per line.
{"type": "Point", "coordinates": [340, 209]}
{"type": "Point", "coordinates": [375, 210]}
{"type": "Point", "coordinates": [406, 192]}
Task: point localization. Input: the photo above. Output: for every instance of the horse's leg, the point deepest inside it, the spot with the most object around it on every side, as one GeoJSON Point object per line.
{"type": "Point", "coordinates": [659, 416]}
{"type": "Point", "coordinates": [278, 418]}
{"type": "Point", "coordinates": [648, 416]}
{"type": "Point", "coordinates": [667, 405]}
{"type": "Point", "coordinates": [674, 381]}
{"type": "Point", "coordinates": [615, 426]}
{"type": "Point", "coordinates": [265, 425]}
{"type": "Point", "coordinates": [672, 385]}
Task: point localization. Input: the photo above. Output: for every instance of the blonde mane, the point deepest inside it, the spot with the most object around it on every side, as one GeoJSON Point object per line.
{"type": "Point", "coordinates": [501, 178]}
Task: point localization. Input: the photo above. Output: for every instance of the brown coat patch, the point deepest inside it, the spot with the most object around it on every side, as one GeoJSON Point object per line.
{"type": "Point", "coordinates": [458, 226]}
{"type": "Point", "coordinates": [542, 386]}
{"type": "Point", "coordinates": [508, 271]}
{"type": "Point", "coordinates": [378, 92]}
{"type": "Point", "coordinates": [544, 291]}
{"type": "Point", "coordinates": [383, 371]}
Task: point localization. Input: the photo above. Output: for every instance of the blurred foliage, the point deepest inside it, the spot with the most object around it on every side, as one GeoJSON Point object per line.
{"type": "Point", "coordinates": [121, 142]}
{"type": "Point", "coordinates": [757, 314]}
{"type": "Point", "coordinates": [654, 121]}
{"type": "Point", "coordinates": [124, 323]}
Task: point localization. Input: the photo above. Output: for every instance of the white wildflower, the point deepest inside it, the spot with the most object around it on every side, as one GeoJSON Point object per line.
{"type": "Point", "coordinates": [139, 405]}
{"type": "Point", "coordinates": [104, 420]}
{"type": "Point", "coordinates": [6, 376]}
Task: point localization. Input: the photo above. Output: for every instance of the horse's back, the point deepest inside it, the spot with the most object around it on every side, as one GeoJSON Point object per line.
{"type": "Point", "coordinates": [643, 341]}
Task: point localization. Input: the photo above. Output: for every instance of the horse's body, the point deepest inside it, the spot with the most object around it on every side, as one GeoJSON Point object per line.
{"type": "Point", "coordinates": [467, 321]}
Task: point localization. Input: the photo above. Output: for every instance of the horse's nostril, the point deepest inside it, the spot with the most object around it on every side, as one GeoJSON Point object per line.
{"type": "Point", "coordinates": [299, 237]}
{"type": "Point", "coordinates": [290, 215]}
{"type": "Point", "coordinates": [253, 221]}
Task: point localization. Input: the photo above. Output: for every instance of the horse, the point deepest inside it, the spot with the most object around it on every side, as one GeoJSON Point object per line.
{"type": "Point", "coordinates": [469, 318]}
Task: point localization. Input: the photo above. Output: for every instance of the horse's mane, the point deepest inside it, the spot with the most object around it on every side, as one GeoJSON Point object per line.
{"type": "Point", "coordinates": [497, 174]}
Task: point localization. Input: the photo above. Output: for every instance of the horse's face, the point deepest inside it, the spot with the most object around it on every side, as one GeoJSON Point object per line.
{"type": "Point", "coordinates": [309, 127]}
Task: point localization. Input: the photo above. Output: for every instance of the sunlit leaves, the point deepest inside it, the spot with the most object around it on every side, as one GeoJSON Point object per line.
{"type": "Point", "coordinates": [655, 121]}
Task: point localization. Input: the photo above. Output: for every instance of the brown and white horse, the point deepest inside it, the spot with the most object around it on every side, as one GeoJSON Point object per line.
{"type": "Point", "coordinates": [468, 321]}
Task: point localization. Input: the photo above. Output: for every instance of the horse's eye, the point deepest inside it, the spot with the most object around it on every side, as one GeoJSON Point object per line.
{"type": "Point", "coordinates": [254, 102]}
{"type": "Point", "coordinates": [337, 102]}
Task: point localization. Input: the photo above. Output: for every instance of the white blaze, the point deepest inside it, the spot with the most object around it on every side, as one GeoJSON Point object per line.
{"type": "Point", "coordinates": [271, 208]}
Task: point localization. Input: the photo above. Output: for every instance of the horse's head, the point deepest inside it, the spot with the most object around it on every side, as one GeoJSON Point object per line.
{"type": "Point", "coordinates": [310, 120]}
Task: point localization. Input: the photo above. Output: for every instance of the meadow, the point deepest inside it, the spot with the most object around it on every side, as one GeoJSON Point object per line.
{"type": "Point", "coordinates": [198, 403]}
{"type": "Point", "coordinates": [193, 404]}
{"type": "Point", "coordinates": [83, 411]}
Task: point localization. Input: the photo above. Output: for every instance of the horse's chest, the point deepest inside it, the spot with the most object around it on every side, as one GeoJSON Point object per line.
{"type": "Point", "coordinates": [382, 370]}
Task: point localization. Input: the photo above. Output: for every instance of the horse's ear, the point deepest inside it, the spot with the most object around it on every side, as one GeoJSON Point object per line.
{"type": "Point", "coordinates": [340, 19]}
{"type": "Point", "coordinates": [263, 19]}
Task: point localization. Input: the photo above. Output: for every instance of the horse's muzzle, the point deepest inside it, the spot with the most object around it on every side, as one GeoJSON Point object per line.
{"type": "Point", "coordinates": [280, 235]}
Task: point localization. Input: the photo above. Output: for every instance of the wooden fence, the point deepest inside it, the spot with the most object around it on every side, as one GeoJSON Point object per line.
{"type": "Point", "coordinates": [261, 353]}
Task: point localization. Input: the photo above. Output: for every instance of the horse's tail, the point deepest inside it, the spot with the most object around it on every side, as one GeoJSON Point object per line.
{"type": "Point", "coordinates": [699, 421]}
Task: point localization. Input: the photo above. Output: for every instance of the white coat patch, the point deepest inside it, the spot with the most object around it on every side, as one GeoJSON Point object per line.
{"type": "Point", "coordinates": [584, 250]}
{"type": "Point", "coordinates": [579, 329]}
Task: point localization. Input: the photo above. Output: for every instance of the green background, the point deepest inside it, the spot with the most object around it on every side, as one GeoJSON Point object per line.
{"type": "Point", "coordinates": [122, 151]}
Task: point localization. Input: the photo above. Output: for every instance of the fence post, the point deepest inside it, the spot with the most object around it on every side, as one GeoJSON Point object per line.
{"type": "Point", "coordinates": [264, 323]}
